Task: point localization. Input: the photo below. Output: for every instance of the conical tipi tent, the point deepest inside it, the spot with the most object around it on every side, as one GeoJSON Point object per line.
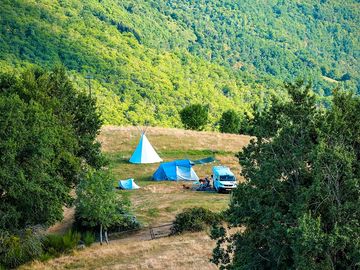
{"type": "Point", "coordinates": [144, 152]}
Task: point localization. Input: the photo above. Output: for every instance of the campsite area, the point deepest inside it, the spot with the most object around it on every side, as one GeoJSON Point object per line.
{"type": "Point", "coordinates": [156, 203]}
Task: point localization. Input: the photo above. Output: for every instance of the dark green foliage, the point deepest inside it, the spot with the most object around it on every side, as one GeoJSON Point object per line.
{"type": "Point", "coordinates": [88, 238]}
{"type": "Point", "coordinates": [299, 203]}
{"type": "Point", "coordinates": [194, 220]}
{"type": "Point", "coordinates": [230, 122]}
{"type": "Point", "coordinates": [55, 244]}
{"type": "Point", "coordinates": [247, 125]}
{"type": "Point", "coordinates": [47, 132]}
{"type": "Point", "coordinates": [127, 223]}
{"type": "Point", "coordinates": [18, 249]}
{"type": "Point", "coordinates": [195, 116]}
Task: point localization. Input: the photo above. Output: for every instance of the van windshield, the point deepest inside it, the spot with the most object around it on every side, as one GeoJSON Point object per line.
{"type": "Point", "coordinates": [227, 178]}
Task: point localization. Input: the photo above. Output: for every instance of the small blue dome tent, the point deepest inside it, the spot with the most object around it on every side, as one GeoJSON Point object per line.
{"type": "Point", "coordinates": [128, 184]}
{"type": "Point", "coordinates": [175, 170]}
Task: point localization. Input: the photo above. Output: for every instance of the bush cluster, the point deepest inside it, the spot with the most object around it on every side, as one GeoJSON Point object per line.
{"type": "Point", "coordinates": [55, 244]}
{"type": "Point", "coordinates": [17, 249]}
{"type": "Point", "coordinates": [194, 220]}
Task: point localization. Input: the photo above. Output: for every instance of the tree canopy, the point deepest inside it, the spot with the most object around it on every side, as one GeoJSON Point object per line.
{"type": "Point", "coordinates": [97, 204]}
{"type": "Point", "coordinates": [195, 116]}
{"type": "Point", "coordinates": [230, 122]}
{"type": "Point", "coordinates": [47, 132]}
{"type": "Point", "coordinates": [147, 60]}
{"type": "Point", "coordinates": [299, 202]}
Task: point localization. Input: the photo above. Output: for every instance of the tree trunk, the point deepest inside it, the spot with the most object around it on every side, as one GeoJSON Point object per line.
{"type": "Point", "coordinates": [106, 237]}
{"type": "Point", "coordinates": [100, 234]}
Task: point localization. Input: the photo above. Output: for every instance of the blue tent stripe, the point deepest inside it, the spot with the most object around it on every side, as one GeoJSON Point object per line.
{"type": "Point", "coordinates": [175, 170]}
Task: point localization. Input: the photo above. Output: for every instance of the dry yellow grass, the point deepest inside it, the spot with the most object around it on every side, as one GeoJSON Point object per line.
{"type": "Point", "coordinates": [156, 202]}
{"type": "Point", "coordinates": [190, 251]}
{"type": "Point", "coordinates": [118, 139]}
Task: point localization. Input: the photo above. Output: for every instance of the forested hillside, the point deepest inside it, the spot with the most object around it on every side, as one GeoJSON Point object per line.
{"type": "Point", "coordinates": [286, 39]}
{"type": "Point", "coordinates": [148, 59]}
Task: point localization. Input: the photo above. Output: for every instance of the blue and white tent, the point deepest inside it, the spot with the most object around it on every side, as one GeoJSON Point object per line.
{"type": "Point", "coordinates": [176, 170]}
{"type": "Point", "coordinates": [128, 184]}
{"type": "Point", "coordinates": [144, 152]}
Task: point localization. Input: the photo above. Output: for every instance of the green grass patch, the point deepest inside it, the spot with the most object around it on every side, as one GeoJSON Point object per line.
{"type": "Point", "coordinates": [153, 212]}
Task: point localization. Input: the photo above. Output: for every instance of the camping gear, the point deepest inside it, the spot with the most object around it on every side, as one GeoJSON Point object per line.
{"type": "Point", "coordinates": [175, 170]}
{"type": "Point", "coordinates": [204, 160]}
{"type": "Point", "coordinates": [128, 184]}
{"type": "Point", "coordinates": [144, 152]}
{"type": "Point", "coordinates": [205, 185]}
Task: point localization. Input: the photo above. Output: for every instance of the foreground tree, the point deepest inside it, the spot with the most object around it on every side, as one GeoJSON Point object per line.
{"type": "Point", "coordinates": [47, 138]}
{"type": "Point", "coordinates": [195, 116]}
{"type": "Point", "coordinates": [97, 204]}
{"type": "Point", "coordinates": [299, 203]}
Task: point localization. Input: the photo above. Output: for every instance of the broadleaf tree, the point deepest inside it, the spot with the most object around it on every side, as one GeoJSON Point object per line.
{"type": "Point", "coordinates": [299, 202]}
{"type": "Point", "coordinates": [230, 122]}
{"type": "Point", "coordinates": [195, 116]}
{"type": "Point", "coordinates": [97, 204]}
{"type": "Point", "coordinates": [47, 138]}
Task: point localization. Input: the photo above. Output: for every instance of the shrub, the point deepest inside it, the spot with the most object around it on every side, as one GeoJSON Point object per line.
{"type": "Point", "coordinates": [70, 240]}
{"type": "Point", "coordinates": [194, 220]}
{"type": "Point", "coordinates": [128, 222]}
{"type": "Point", "coordinates": [53, 244]}
{"type": "Point", "coordinates": [88, 238]}
{"type": "Point", "coordinates": [230, 122]}
{"type": "Point", "coordinates": [195, 116]}
{"type": "Point", "coordinates": [18, 249]}
{"type": "Point", "coordinates": [56, 244]}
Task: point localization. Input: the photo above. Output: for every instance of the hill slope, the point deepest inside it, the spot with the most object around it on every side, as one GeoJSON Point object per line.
{"type": "Point", "coordinates": [148, 59]}
{"type": "Point", "coordinates": [134, 83]}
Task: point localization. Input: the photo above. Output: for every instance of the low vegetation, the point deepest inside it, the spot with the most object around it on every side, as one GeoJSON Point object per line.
{"type": "Point", "coordinates": [194, 219]}
{"type": "Point", "coordinates": [20, 248]}
{"type": "Point", "coordinates": [55, 244]}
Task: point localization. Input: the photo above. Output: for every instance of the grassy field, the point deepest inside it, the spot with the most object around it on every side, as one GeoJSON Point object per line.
{"type": "Point", "coordinates": [156, 202]}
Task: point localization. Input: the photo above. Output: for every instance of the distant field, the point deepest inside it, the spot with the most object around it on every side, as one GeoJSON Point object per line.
{"type": "Point", "coordinates": [157, 202]}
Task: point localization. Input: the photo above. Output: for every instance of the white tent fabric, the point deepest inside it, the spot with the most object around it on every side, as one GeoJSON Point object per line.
{"type": "Point", "coordinates": [128, 184]}
{"type": "Point", "coordinates": [144, 152]}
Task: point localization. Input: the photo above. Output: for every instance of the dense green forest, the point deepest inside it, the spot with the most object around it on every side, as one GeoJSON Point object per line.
{"type": "Point", "coordinates": [149, 59]}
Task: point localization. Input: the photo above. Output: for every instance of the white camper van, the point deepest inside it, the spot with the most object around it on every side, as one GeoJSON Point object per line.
{"type": "Point", "coordinates": [223, 179]}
